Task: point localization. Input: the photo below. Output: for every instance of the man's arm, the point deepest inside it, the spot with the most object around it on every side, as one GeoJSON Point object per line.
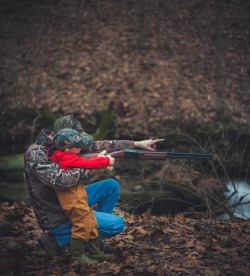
{"type": "Point", "coordinates": [111, 144]}
{"type": "Point", "coordinates": [149, 144]}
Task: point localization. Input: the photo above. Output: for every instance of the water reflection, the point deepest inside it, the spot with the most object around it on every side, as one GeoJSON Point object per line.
{"type": "Point", "coordinates": [242, 190]}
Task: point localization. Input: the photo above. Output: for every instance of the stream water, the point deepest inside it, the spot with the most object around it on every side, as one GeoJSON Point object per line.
{"type": "Point", "coordinates": [12, 191]}
{"type": "Point", "coordinates": [235, 191]}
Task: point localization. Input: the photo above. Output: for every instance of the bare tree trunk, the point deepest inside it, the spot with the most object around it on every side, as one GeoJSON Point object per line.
{"type": "Point", "coordinates": [141, 38]}
{"type": "Point", "coordinates": [159, 8]}
{"type": "Point", "coordinates": [220, 59]}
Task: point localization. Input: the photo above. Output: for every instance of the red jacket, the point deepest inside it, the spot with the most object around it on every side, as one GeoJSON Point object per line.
{"type": "Point", "coordinates": [67, 160]}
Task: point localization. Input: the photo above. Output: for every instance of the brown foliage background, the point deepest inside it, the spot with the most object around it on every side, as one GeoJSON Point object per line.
{"type": "Point", "coordinates": [153, 59]}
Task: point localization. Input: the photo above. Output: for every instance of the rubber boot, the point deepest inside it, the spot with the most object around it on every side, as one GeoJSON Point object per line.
{"type": "Point", "coordinates": [106, 248]}
{"type": "Point", "coordinates": [95, 252]}
{"type": "Point", "coordinates": [48, 242]}
{"type": "Point", "coordinates": [77, 251]}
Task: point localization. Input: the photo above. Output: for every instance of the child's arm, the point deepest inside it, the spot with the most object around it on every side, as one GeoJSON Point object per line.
{"type": "Point", "coordinates": [72, 160]}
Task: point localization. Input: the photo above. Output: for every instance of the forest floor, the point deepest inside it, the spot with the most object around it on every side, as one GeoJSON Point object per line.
{"type": "Point", "coordinates": [149, 245]}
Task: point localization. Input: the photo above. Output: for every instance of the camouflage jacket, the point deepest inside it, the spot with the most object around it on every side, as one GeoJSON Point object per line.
{"type": "Point", "coordinates": [44, 176]}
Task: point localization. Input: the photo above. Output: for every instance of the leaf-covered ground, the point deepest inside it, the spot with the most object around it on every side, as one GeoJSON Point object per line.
{"type": "Point", "coordinates": [150, 245]}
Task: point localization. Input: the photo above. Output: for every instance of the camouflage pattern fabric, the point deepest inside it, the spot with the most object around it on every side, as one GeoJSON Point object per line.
{"type": "Point", "coordinates": [43, 176]}
{"type": "Point", "coordinates": [68, 137]}
{"type": "Point", "coordinates": [68, 121]}
{"type": "Point", "coordinates": [111, 144]}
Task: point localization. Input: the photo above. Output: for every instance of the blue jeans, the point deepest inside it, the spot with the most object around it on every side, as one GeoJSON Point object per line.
{"type": "Point", "coordinates": [104, 194]}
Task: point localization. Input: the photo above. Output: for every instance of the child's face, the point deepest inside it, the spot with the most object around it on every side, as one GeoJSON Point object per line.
{"type": "Point", "coordinates": [74, 150]}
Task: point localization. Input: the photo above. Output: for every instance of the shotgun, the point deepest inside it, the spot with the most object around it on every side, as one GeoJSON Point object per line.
{"type": "Point", "coordinates": [153, 155]}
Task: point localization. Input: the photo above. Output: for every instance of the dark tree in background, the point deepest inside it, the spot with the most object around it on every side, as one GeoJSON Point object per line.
{"type": "Point", "coordinates": [220, 58]}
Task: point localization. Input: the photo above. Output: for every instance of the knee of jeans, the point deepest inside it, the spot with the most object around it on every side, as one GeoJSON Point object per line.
{"type": "Point", "coordinates": [122, 224]}
{"type": "Point", "coordinates": [114, 184]}
{"type": "Point", "coordinates": [118, 227]}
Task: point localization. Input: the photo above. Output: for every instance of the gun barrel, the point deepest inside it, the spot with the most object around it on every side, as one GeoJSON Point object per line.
{"type": "Point", "coordinates": [154, 155]}
{"type": "Point", "coordinates": [190, 155]}
{"type": "Point", "coordinates": [160, 155]}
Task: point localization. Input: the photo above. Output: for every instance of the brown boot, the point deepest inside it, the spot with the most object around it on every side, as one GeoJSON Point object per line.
{"type": "Point", "coordinates": [77, 251]}
{"type": "Point", "coordinates": [95, 251]}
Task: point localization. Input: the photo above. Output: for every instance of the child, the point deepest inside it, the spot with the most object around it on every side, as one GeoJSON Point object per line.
{"type": "Point", "coordinates": [67, 144]}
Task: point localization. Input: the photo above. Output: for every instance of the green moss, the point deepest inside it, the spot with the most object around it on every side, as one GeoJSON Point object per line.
{"type": "Point", "coordinates": [105, 123]}
{"type": "Point", "coordinates": [11, 167]}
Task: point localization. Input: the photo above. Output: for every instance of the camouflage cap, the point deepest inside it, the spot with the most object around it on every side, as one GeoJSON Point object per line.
{"type": "Point", "coordinates": [67, 122]}
{"type": "Point", "coordinates": [68, 137]}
